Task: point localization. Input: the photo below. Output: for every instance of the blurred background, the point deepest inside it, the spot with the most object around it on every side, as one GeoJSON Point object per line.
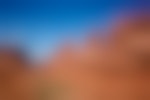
{"type": "Point", "coordinates": [32, 31]}
{"type": "Point", "coordinates": [40, 26]}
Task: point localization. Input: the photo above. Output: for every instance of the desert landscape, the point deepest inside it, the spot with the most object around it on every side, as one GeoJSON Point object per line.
{"type": "Point", "coordinates": [115, 68]}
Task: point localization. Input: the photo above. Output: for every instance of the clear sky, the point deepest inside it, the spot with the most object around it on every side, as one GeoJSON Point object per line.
{"type": "Point", "coordinates": [41, 25]}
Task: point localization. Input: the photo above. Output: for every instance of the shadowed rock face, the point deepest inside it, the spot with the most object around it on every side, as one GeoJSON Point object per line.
{"type": "Point", "coordinates": [133, 40]}
{"type": "Point", "coordinates": [118, 71]}
{"type": "Point", "coordinates": [15, 77]}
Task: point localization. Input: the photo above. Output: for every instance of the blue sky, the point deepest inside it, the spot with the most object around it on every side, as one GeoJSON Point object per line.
{"type": "Point", "coordinates": [41, 25]}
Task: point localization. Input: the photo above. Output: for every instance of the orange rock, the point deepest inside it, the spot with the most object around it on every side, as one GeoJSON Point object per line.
{"type": "Point", "coordinates": [16, 79]}
{"type": "Point", "coordinates": [117, 70]}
